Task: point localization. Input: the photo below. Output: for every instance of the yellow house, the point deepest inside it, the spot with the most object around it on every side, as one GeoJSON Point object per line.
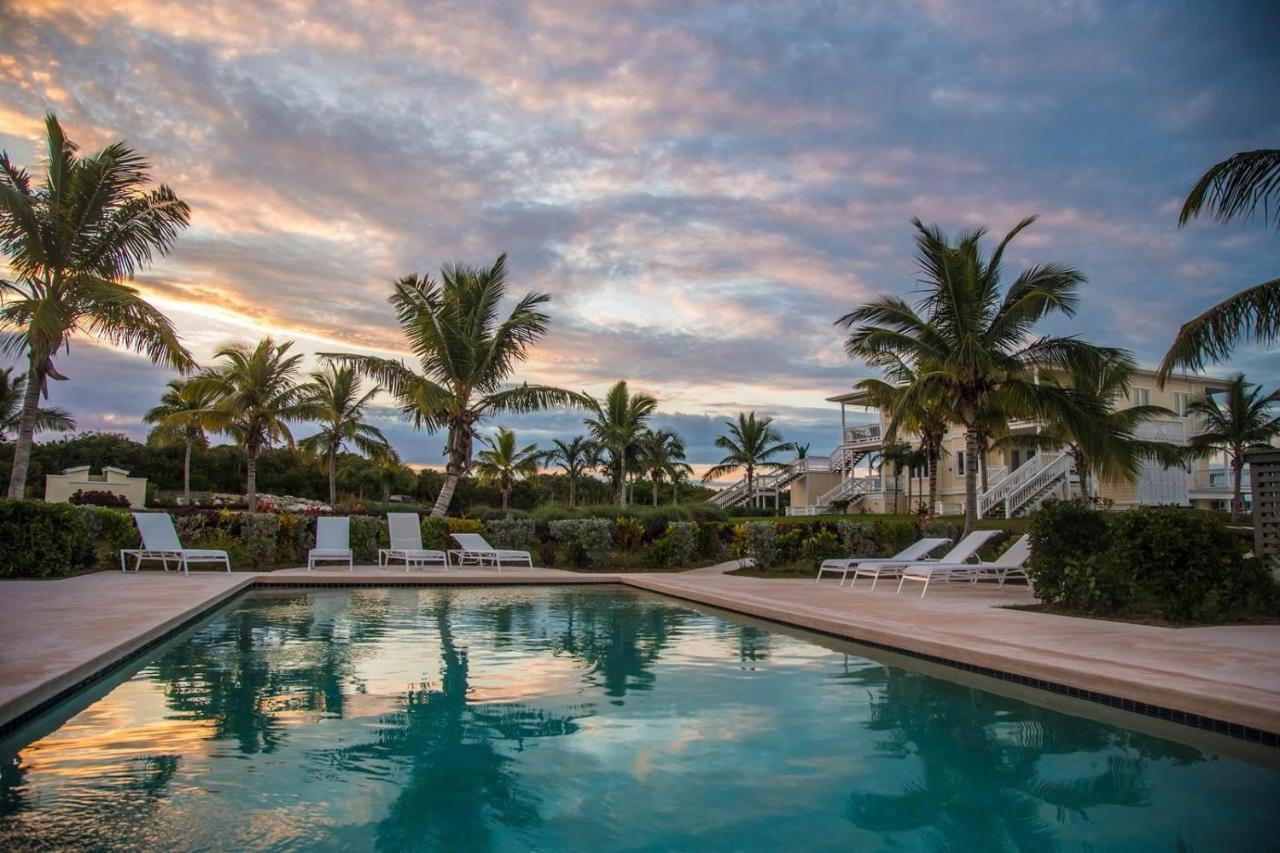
{"type": "Point", "coordinates": [851, 478]}
{"type": "Point", "coordinates": [58, 488]}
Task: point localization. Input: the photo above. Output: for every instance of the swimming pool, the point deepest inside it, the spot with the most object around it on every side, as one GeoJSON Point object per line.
{"type": "Point", "coordinates": [588, 718]}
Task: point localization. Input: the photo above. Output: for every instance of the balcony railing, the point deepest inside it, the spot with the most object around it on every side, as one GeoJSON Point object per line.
{"type": "Point", "coordinates": [1218, 480]}
{"type": "Point", "coordinates": [863, 434]}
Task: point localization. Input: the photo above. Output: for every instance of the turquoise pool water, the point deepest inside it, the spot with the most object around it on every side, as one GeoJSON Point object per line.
{"type": "Point", "coordinates": [587, 719]}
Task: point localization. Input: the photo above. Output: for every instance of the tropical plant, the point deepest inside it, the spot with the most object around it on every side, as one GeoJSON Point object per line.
{"type": "Point", "coordinates": [466, 353]}
{"type": "Point", "coordinates": [1242, 420]}
{"type": "Point", "coordinates": [1108, 446]}
{"type": "Point", "coordinates": [1236, 188]}
{"type": "Point", "coordinates": [255, 395]}
{"type": "Point", "coordinates": [338, 404]}
{"type": "Point", "coordinates": [966, 341]}
{"type": "Point", "coordinates": [501, 463]}
{"type": "Point", "coordinates": [12, 391]}
{"type": "Point", "coordinates": [659, 454]}
{"type": "Point", "coordinates": [752, 443]}
{"type": "Point", "coordinates": [182, 417]}
{"type": "Point", "coordinates": [70, 244]}
{"type": "Point", "coordinates": [924, 415]}
{"type": "Point", "coordinates": [574, 457]}
{"type": "Point", "coordinates": [615, 424]}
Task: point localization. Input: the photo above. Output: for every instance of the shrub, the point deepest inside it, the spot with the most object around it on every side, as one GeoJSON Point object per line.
{"type": "Point", "coordinates": [682, 537]}
{"type": "Point", "coordinates": [937, 529]}
{"type": "Point", "coordinates": [367, 534]}
{"type": "Point", "coordinates": [465, 525]}
{"type": "Point", "coordinates": [858, 539]}
{"type": "Point", "coordinates": [106, 533]}
{"type": "Point", "coordinates": [435, 533]}
{"type": "Point", "coordinates": [1063, 535]}
{"type": "Point", "coordinates": [789, 543]}
{"type": "Point", "coordinates": [511, 532]}
{"type": "Point", "coordinates": [761, 543]}
{"type": "Point", "coordinates": [628, 534]}
{"type": "Point", "coordinates": [259, 530]}
{"type": "Point", "coordinates": [38, 539]}
{"type": "Point", "coordinates": [95, 497]}
{"type": "Point", "coordinates": [587, 542]}
{"type": "Point", "coordinates": [296, 536]}
{"type": "Point", "coordinates": [711, 539]}
{"type": "Point", "coordinates": [821, 546]}
{"type": "Point", "coordinates": [893, 534]}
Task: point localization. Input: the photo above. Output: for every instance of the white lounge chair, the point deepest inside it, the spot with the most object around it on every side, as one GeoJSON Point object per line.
{"type": "Point", "coordinates": [966, 549]}
{"type": "Point", "coordinates": [160, 542]}
{"type": "Point", "coordinates": [918, 550]}
{"type": "Point", "coordinates": [405, 532]}
{"type": "Point", "coordinates": [1012, 561]}
{"type": "Point", "coordinates": [333, 542]}
{"type": "Point", "coordinates": [476, 551]}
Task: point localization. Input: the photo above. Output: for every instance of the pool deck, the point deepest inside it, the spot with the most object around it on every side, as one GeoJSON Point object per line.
{"type": "Point", "coordinates": [55, 634]}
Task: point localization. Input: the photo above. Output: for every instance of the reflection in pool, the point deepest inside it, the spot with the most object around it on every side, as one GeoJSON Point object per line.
{"type": "Point", "coordinates": [578, 718]}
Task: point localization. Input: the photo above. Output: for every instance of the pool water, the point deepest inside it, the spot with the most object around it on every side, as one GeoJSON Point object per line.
{"type": "Point", "coordinates": [586, 719]}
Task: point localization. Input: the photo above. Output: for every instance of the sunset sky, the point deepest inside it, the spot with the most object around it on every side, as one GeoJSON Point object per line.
{"type": "Point", "coordinates": [701, 187]}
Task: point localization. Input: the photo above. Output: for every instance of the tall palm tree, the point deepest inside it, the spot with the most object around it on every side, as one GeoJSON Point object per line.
{"type": "Point", "coordinates": [615, 424]}
{"type": "Point", "coordinates": [660, 453]}
{"type": "Point", "coordinates": [341, 409]}
{"type": "Point", "coordinates": [182, 416]}
{"type": "Point", "coordinates": [968, 340]}
{"type": "Point", "coordinates": [752, 443]}
{"type": "Point", "coordinates": [1109, 447]}
{"type": "Point", "coordinates": [1236, 188]}
{"type": "Point", "coordinates": [255, 396]}
{"type": "Point", "coordinates": [501, 463]}
{"type": "Point", "coordinates": [466, 353]}
{"type": "Point", "coordinates": [574, 457]}
{"type": "Point", "coordinates": [12, 391]}
{"type": "Point", "coordinates": [1241, 421]}
{"type": "Point", "coordinates": [71, 244]}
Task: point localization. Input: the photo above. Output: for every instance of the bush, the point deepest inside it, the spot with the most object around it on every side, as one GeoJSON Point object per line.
{"type": "Point", "coordinates": [95, 497]}
{"type": "Point", "coordinates": [789, 543]}
{"type": "Point", "coordinates": [435, 533]}
{"type": "Point", "coordinates": [511, 532]}
{"type": "Point", "coordinates": [1064, 535]}
{"type": "Point", "coordinates": [628, 533]}
{"type": "Point", "coordinates": [761, 543]}
{"type": "Point", "coordinates": [821, 546]}
{"type": "Point", "coordinates": [260, 530]}
{"type": "Point", "coordinates": [587, 542]}
{"type": "Point", "coordinates": [40, 540]}
{"type": "Point", "coordinates": [675, 547]}
{"type": "Point", "coordinates": [711, 539]}
{"type": "Point", "coordinates": [106, 533]}
{"type": "Point", "coordinates": [893, 534]}
{"type": "Point", "coordinates": [368, 532]}
{"type": "Point", "coordinates": [858, 539]}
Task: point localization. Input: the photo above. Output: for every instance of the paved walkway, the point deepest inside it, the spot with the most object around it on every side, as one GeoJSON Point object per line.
{"type": "Point", "coordinates": [54, 634]}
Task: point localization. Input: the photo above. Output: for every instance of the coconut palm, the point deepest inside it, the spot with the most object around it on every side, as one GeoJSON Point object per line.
{"type": "Point", "coordinates": [615, 424]}
{"type": "Point", "coordinates": [1242, 420]}
{"type": "Point", "coordinates": [501, 463]}
{"type": "Point", "coordinates": [1109, 447]}
{"type": "Point", "coordinates": [182, 416]}
{"type": "Point", "coordinates": [466, 353]}
{"type": "Point", "coordinates": [969, 341]}
{"type": "Point", "coordinates": [660, 453]}
{"type": "Point", "coordinates": [341, 407]}
{"type": "Point", "coordinates": [924, 415]}
{"type": "Point", "coordinates": [752, 443]}
{"type": "Point", "coordinates": [255, 396]}
{"type": "Point", "coordinates": [12, 390]}
{"type": "Point", "coordinates": [71, 243]}
{"type": "Point", "coordinates": [1236, 188]}
{"type": "Point", "coordinates": [574, 457]}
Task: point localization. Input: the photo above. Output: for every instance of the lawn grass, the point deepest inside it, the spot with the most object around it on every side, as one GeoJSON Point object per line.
{"type": "Point", "coordinates": [1017, 525]}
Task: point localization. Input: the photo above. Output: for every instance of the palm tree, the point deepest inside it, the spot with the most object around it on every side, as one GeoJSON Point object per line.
{"type": "Point", "coordinates": [12, 391]}
{"type": "Point", "coordinates": [660, 453]}
{"type": "Point", "coordinates": [335, 395]}
{"type": "Point", "coordinates": [615, 424]}
{"type": "Point", "coordinates": [182, 416]}
{"type": "Point", "coordinates": [255, 395]}
{"type": "Point", "coordinates": [574, 458]}
{"type": "Point", "coordinates": [502, 464]}
{"type": "Point", "coordinates": [751, 443]}
{"type": "Point", "coordinates": [467, 354]}
{"type": "Point", "coordinates": [71, 244]}
{"type": "Point", "coordinates": [968, 343]}
{"type": "Point", "coordinates": [1242, 421]}
{"type": "Point", "coordinates": [925, 415]}
{"type": "Point", "coordinates": [1234, 189]}
{"type": "Point", "coordinates": [1109, 447]}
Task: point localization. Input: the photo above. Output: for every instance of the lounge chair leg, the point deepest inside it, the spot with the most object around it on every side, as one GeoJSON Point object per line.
{"type": "Point", "coordinates": [901, 581]}
{"type": "Point", "coordinates": [926, 584]}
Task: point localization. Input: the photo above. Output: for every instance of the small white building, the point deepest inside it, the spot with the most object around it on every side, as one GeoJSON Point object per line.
{"type": "Point", "coordinates": [58, 488]}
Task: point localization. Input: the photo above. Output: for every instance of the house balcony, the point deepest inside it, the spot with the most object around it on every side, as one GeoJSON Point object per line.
{"type": "Point", "coordinates": [863, 437]}
{"type": "Point", "coordinates": [1215, 484]}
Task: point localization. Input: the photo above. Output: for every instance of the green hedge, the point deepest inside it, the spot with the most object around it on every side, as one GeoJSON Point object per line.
{"type": "Point", "coordinates": [1177, 564]}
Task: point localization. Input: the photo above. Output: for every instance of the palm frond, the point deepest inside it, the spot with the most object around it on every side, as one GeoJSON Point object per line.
{"type": "Point", "coordinates": [1252, 315]}
{"type": "Point", "coordinates": [1237, 188]}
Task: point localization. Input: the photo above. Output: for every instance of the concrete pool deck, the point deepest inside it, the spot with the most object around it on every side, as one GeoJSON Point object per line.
{"type": "Point", "coordinates": [55, 634]}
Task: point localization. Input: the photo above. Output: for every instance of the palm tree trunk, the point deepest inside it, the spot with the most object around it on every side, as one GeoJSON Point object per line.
{"type": "Point", "coordinates": [933, 479]}
{"type": "Point", "coordinates": [970, 479]}
{"type": "Point", "coordinates": [751, 479]}
{"type": "Point", "coordinates": [982, 468]}
{"type": "Point", "coordinates": [446, 492]}
{"type": "Point", "coordinates": [572, 482]}
{"type": "Point", "coordinates": [26, 434]}
{"type": "Point", "coordinates": [1237, 491]}
{"type": "Point", "coordinates": [506, 498]}
{"type": "Point", "coordinates": [459, 450]}
{"type": "Point", "coordinates": [910, 474]}
{"type": "Point", "coordinates": [333, 476]}
{"type": "Point", "coordinates": [655, 491]}
{"type": "Point", "coordinates": [186, 474]}
{"type": "Point", "coordinates": [620, 479]}
{"type": "Point", "coordinates": [1079, 460]}
{"type": "Point", "coordinates": [251, 485]}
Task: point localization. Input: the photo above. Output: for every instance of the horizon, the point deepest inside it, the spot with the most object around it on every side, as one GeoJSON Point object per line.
{"type": "Point", "coordinates": [702, 192]}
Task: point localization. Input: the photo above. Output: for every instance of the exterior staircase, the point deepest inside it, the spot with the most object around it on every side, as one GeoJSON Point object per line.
{"type": "Point", "coordinates": [854, 490]}
{"type": "Point", "coordinates": [1025, 488]}
{"type": "Point", "coordinates": [764, 484]}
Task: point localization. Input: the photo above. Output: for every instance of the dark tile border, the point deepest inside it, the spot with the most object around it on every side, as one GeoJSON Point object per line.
{"type": "Point", "coordinates": [1222, 727]}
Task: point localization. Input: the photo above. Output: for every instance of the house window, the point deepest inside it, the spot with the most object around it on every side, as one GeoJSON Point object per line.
{"type": "Point", "coordinates": [960, 463]}
{"type": "Point", "coordinates": [1015, 460]}
{"type": "Point", "coordinates": [1181, 399]}
{"type": "Point", "coordinates": [1141, 396]}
